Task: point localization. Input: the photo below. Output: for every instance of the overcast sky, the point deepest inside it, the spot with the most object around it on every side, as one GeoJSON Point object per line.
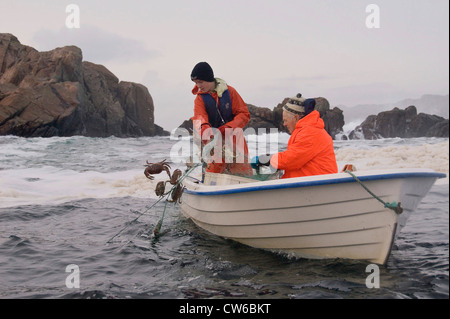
{"type": "Point", "coordinates": [267, 50]}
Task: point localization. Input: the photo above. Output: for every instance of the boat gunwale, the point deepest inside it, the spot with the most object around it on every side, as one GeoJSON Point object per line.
{"type": "Point", "coordinates": [269, 185]}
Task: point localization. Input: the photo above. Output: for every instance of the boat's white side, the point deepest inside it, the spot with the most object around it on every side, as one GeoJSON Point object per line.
{"type": "Point", "coordinates": [325, 216]}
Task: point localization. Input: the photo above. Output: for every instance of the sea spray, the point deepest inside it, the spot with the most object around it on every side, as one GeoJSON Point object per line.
{"type": "Point", "coordinates": [61, 169]}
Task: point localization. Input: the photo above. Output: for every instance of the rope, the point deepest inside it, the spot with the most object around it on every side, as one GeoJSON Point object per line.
{"type": "Point", "coordinates": [134, 220]}
{"type": "Point", "coordinates": [396, 207]}
{"type": "Point", "coordinates": [158, 226]}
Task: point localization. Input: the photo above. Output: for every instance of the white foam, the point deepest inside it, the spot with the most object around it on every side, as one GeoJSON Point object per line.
{"type": "Point", "coordinates": [434, 156]}
{"type": "Point", "coordinates": [114, 167]}
{"type": "Point", "coordinates": [51, 186]}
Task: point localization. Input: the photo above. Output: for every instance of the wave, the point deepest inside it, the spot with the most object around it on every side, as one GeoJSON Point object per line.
{"type": "Point", "coordinates": [434, 156]}
{"type": "Point", "coordinates": [57, 170]}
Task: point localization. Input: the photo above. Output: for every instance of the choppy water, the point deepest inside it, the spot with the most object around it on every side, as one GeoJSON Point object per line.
{"type": "Point", "coordinates": [85, 202]}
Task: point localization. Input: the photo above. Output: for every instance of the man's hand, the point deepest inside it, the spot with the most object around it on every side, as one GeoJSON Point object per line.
{"type": "Point", "coordinates": [261, 160]}
{"type": "Point", "coordinates": [206, 133]}
{"type": "Point", "coordinates": [222, 129]}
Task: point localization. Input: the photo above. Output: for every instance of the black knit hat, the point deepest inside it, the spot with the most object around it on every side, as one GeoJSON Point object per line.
{"type": "Point", "coordinates": [202, 71]}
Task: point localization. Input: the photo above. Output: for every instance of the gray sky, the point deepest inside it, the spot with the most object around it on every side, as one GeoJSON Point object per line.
{"type": "Point", "coordinates": [267, 50]}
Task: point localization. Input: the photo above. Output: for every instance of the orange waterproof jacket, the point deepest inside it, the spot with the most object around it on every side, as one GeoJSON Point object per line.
{"type": "Point", "coordinates": [309, 151]}
{"type": "Point", "coordinates": [239, 108]}
{"type": "Point", "coordinates": [241, 117]}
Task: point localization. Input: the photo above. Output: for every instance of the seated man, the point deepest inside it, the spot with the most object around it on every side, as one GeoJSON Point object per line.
{"type": "Point", "coordinates": [310, 148]}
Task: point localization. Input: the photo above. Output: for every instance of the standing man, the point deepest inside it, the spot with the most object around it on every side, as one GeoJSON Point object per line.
{"type": "Point", "coordinates": [310, 148]}
{"type": "Point", "coordinates": [218, 107]}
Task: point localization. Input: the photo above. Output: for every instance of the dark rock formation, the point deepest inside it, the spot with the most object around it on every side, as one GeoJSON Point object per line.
{"type": "Point", "coordinates": [426, 125]}
{"type": "Point", "coordinates": [401, 123]}
{"type": "Point", "coordinates": [262, 118]}
{"type": "Point", "coordinates": [187, 125]}
{"type": "Point", "coordinates": [55, 93]}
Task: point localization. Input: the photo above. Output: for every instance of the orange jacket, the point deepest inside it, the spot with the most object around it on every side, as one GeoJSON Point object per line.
{"type": "Point", "coordinates": [309, 151]}
{"type": "Point", "coordinates": [240, 110]}
{"type": "Point", "coordinates": [240, 120]}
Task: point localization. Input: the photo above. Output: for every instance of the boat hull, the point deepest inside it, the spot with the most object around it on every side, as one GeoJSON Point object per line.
{"type": "Point", "coordinates": [326, 216]}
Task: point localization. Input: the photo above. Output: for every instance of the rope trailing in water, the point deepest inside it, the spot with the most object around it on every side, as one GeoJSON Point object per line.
{"type": "Point", "coordinates": [158, 226]}
{"type": "Point", "coordinates": [396, 207]}
{"type": "Point", "coordinates": [134, 220]}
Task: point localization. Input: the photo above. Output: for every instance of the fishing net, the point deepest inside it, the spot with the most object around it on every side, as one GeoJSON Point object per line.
{"type": "Point", "coordinates": [221, 157]}
{"type": "Point", "coordinates": [263, 175]}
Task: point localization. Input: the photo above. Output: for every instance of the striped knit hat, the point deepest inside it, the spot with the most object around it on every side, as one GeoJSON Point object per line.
{"type": "Point", "coordinates": [299, 105]}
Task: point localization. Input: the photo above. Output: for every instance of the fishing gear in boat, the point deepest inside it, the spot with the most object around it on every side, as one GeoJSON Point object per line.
{"type": "Point", "coordinates": [231, 155]}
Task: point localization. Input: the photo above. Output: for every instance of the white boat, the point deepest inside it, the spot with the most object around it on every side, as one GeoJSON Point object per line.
{"type": "Point", "coordinates": [325, 216]}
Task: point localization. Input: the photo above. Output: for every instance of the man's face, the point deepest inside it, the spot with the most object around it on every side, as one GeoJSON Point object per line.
{"type": "Point", "coordinates": [205, 86]}
{"type": "Point", "coordinates": [290, 120]}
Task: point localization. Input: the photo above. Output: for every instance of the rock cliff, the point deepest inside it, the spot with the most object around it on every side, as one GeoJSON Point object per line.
{"type": "Point", "coordinates": [401, 123]}
{"type": "Point", "coordinates": [55, 93]}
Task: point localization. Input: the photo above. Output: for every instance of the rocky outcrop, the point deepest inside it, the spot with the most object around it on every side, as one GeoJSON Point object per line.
{"type": "Point", "coordinates": [55, 93]}
{"type": "Point", "coordinates": [265, 118]}
{"type": "Point", "coordinates": [262, 118]}
{"type": "Point", "coordinates": [401, 123]}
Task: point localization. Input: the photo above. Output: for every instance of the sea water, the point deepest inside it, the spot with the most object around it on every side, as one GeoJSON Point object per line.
{"type": "Point", "coordinates": [84, 204]}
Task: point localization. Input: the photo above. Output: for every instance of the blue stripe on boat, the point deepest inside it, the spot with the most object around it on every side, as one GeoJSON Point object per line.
{"type": "Point", "coordinates": [315, 183]}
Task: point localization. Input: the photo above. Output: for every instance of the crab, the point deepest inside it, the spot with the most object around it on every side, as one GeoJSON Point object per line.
{"type": "Point", "coordinates": [156, 168]}
{"type": "Point", "coordinates": [175, 176]}
{"type": "Point", "coordinates": [160, 188]}
{"type": "Point", "coordinates": [176, 193]}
